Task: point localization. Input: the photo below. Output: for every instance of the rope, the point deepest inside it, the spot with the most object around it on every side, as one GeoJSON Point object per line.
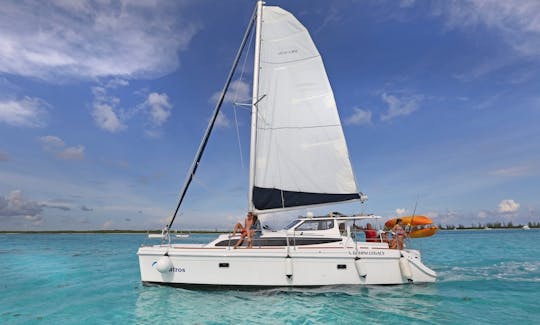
{"type": "Point", "coordinates": [235, 100]}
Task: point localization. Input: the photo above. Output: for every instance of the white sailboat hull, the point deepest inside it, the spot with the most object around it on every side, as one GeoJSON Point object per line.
{"type": "Point", "coordinates": [281, 266]}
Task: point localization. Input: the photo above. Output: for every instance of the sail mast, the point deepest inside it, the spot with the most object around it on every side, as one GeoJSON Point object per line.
{"type": "Point", "coordinates": [254, 101]}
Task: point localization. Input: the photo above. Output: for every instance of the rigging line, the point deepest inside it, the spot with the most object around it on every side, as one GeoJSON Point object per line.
{"type": "Point", "coordinates": [238, 138]}
{"type": "Point", "coordinates": [236, 98]}
{"type": "Point", "coordinates": [244, 63]}
{"type": "Point", "coordinates": [414, 212]}
{"type": "Point", "coordinates": [212, 121]}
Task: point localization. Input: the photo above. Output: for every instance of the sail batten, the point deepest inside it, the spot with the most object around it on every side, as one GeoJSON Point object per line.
{"type": "Point", "coordinates": [301, 157]}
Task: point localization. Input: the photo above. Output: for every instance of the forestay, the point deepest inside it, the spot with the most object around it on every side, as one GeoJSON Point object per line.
{"type": "Point", "coordinates": [301, 156]}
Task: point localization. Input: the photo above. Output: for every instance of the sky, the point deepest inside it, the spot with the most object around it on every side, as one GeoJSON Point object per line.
{"type": "Point", "coordinates": [104, 103]}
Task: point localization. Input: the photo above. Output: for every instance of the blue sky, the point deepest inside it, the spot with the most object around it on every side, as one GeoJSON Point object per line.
{"type": "Point", "coordinates": [103, 105]}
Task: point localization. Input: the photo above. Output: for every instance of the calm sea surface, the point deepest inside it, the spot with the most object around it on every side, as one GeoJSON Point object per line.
{"type": "Point", "coordinates": [484, 277]}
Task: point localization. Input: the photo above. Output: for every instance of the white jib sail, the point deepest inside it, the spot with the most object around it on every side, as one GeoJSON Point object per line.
{"type": "Point", "coordinates": [301, 156]}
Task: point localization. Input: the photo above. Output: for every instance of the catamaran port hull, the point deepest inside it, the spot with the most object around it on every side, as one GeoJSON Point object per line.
{"type": "Point", "coordinates": [280, 266]}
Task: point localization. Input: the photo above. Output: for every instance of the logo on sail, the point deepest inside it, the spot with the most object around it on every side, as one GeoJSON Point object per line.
{"type": "Point", "coordinates": [288, 52]}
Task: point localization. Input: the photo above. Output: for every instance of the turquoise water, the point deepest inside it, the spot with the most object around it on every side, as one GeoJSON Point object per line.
{"type": "Point", "coordinates": [484, 277]}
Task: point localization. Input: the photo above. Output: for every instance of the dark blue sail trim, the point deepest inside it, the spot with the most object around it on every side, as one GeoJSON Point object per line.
{"type": "Point", "coordinates": [273, 198]}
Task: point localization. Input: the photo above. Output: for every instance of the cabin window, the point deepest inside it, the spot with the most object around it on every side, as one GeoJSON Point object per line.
{"type": "Point", "coordinates": [292, 224]}
{"type": "Point", "coordinates": [313, 225]}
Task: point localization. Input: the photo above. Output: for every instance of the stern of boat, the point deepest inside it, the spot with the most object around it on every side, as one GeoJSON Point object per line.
{"type": "Point", "coordinates": [412, 268]}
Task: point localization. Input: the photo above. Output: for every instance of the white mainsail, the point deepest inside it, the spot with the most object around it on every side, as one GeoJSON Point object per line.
{"type": "Point", "coordinates": [301, 156]}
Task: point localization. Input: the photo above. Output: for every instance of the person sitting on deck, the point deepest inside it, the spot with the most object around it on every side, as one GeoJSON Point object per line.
{"type": "Point", "coordinates": [244, 230]}
{"type": "Point", "coordinates": [238, 227]}
{"type": "Point", "coordinates": [254, 230]}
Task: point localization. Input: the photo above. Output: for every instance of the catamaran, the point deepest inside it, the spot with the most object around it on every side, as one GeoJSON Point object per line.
{"type": "Point", "coordinates": [298, 158]}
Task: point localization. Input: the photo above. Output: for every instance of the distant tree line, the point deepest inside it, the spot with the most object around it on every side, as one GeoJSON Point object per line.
{"type": "Point", "coordinates": [493, 225]}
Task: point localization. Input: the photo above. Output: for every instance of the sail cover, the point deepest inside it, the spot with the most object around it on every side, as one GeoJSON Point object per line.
{"type": "Point", "coordinates": [301, 157]}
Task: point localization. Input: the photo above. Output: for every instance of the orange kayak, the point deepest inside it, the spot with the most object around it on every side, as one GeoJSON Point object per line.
{"type": "Point", "coordinates": [421, 226]}
{"type": "Point", "coordinates": [410, 221]}
{"type": "Point", "coordinates": [424, 232]}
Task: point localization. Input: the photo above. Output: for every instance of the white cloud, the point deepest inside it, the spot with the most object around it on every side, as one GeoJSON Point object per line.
{"type": "Point", "coordinates": [400, 106]}
{"type": "Point", "coordinates": [105, 107]}
{"type": "Point", "coordinates": [15, 205]}
{"type": "Point", "coordinates": [153, 133]}
{"type": "Point", "coordinates": [117, 82]}
{"type": "Point", "coordinates": [106, 118]}
{"type": "Point", "coordinates": [89, 39]}
{"type": "Point", "coordinates": [118, 200]}
{"type": "Point", "coordinates": [239, 92]}
{"type": "Point", "coordinates": [512, 171]}
{"type": "Point", "coordinates": [71, 153]}
{"type": "Point", "coordinates": [57, 146]}
{"type": "Point", "coordinates": [160, 108]}
{"type": "Point", "coordinates": [35, 220]}
{"type": "Point", "coordinates": [406, 3]}
{"type": "Point", "coordinates": [56, 204]}
{"type": "Point", "coordinates": [332, 15]}
{"type": "Point", "coordinates": [483, 214]}
{"type": "Point", "coordinates": [109, 116]}
{"type": "Point", "coordinates": [360, 116]}
{"type": "Point", "coordinates": [51, 142]}
{"type": "Point", "coordinates": [401, 211]}
{"type": "Point", "coordinates": [508, 206]}
{"type": "Point", "coordinates": [27, 112]}
{"type": "Point", "coordinates": [516, 21]}
{"type": "Point", "coordinates": [222, 120]}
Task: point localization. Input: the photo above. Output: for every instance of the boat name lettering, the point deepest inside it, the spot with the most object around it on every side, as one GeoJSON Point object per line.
{"type": "Point", "coordinates": [379, 253]}
{"type": "Point", "coordinates": [177, 269]}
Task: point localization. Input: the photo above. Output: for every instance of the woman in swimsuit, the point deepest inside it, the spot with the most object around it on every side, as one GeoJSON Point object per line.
{"type": "Point", "coordinates": [399, 235]}
{"type": "Point", "coordinates": [244, 230]}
